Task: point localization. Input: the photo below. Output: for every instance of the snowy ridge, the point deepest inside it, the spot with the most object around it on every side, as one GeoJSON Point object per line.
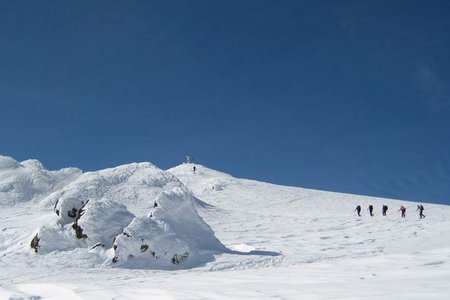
{"type": "Point", "coordinates": [30, 181]}
{"type": "Point", "coordinates": [136, 185]}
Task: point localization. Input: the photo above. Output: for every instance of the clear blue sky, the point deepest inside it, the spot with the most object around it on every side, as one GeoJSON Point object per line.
{"type": "Point", "coordinates": [349, 96]}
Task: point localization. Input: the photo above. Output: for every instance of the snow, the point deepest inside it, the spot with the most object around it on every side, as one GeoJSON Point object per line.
{"type": "Point", "coordinates": [244, 239]}
{"type": "Point", "coordinates": [172, 234]}
{"type": "Point", "coordinates": [135, 185]}
{"type": "Point", "coordinates": [30, 181]}
{"type": "Point", "coordinates": [94, 212]}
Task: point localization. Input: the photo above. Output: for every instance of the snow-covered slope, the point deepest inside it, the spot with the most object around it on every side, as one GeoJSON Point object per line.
{"type": "Point", "coordinates": [309, 225]}
{"type": "Point", "coordinates": [29, 180]}
{"type": "Point", "coordinates": [288, 242]}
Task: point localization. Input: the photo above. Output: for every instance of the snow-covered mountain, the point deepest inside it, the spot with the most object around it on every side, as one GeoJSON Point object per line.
{"type": "Point", "coordinates": [226, 238]}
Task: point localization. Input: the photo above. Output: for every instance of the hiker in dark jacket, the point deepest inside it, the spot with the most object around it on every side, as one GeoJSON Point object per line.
{"type": "Point", "coordinates": [384, 210]}
{"type": "Point", "coordinates": [358, 210]}
{"type": "Point", "coordinates": [421, 209]}
{"type": "Point", "coordinates": [371, 210]}
{"type": "Point", "coordinates": [403, 210]}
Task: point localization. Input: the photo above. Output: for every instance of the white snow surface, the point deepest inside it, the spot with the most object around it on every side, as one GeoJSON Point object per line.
{"type": "Point", "coordinates": [29, 180]}
{"type": "Point", "coordinates": [245, 239]}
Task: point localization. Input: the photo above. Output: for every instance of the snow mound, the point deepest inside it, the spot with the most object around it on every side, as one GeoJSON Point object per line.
{"type": "Point", "coordinates": [172, 233]}
{"type": "Point", "coordinates": [147, 240]}
{"type": "Point", "coordinates": [175, 211]}
{"type": "Point", "coordinates": [103, 221]}
{"type": "Point", "coordinates": [135, 185]}
{"type": "Point", "coordinates": [97, 223]}
{"type": "Point", "coordinates": [137, 215]}
{"type": "Point", "coordinates": [29, 180]}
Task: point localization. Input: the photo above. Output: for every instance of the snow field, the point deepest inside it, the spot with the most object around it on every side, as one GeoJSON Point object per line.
{"type": "Point", "coordinates": [283, 242]}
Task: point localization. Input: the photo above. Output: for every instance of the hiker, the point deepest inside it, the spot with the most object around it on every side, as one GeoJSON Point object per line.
{"type": "Point", "coordinates": [193, 168]}
{"type": "Point", "coordinates": [421, 209]}
{"type": "Point", "coordinates": [371, 210]}
{"type": "Point", "coordinates": [403, 210]}
{"type": "Point", "coordinates": [358, 210]}
{"type": "Point", "coordinates": [384, 210]}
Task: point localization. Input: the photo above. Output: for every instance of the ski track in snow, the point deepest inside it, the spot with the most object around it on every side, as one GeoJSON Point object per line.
{"type": "Point", "coordinates": [285, 243]}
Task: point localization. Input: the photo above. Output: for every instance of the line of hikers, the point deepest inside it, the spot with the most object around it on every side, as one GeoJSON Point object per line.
{"type": "Point", "coordinates": [384, 210]}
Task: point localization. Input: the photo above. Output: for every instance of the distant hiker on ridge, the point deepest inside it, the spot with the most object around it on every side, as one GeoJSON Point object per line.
{"type": "Point", "coordinates": [371, 210]}
{"type": "Point", "coordinates": [403, 210]}
{"type": "Point", "coordinates": [193, 169]}
{"type": "Point", "coordinates": [421, 209]}
{"type": "Point", "coordinates": [384, 209]}
{"type": "Point", "coordinates": [358, 210]}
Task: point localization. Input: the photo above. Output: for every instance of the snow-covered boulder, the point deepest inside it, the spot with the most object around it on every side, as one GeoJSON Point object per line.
{"type": "Point", "coordinates": [171, 234]}
{"type": "Point", "coordinates": [146, 243]}
{"type": "Point", "coordinates": [29, 180]}
{"type": "Point", "coordinates": [97, 223]}
{"type": "Point", "coordinates": [176, 212]}
{"type": "Point", "coordinates": [55, 237]}
{"type": "Point", "coordinates": [103, 220]}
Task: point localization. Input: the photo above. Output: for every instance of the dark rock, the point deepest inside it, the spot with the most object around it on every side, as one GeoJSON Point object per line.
{"type": "Point", "coordinates": [179, 258]}
{"type": "Point", "coordinates": [97, 245]}
{"type": "Point", "coordinates": [144, 248]}
{"type": "Point", "coordinates": [72, 213]}
{"type": "Point", "coordinates": [78, 231]}
{"type": "Point", "coordinates": [35, 243]}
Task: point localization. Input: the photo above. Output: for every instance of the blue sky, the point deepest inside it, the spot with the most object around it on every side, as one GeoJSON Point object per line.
{"type": "Point", "coordinates": [349, 96]}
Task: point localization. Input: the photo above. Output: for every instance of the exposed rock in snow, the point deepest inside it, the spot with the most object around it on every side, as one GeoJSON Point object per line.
{"type": "Point", "coordinates": [96, 222]}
